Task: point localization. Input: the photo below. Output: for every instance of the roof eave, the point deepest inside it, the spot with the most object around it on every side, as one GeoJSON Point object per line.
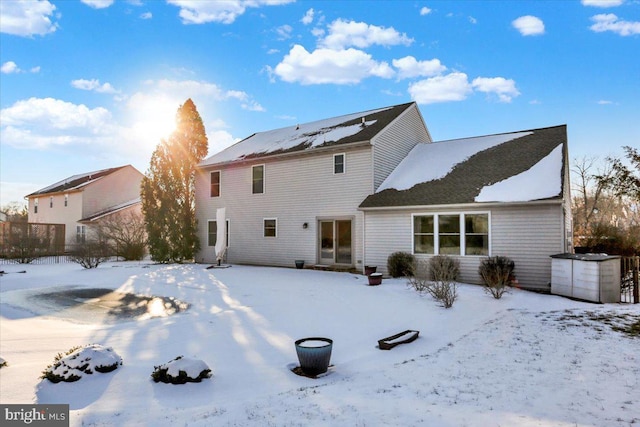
{"type": "Point", "coordinates": [474, 205]}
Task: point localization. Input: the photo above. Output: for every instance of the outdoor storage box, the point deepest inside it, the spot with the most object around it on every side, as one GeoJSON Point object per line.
{"type": "Point", "coordinates": [589, 277]}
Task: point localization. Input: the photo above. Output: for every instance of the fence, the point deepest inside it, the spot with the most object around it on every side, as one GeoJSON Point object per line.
{"type": "Point", "coordinates": [26, 241]}
{"type": "Point", "coordinates": [630, 270]}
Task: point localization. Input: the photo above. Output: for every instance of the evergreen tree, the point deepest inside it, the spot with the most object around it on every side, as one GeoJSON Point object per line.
{"type": "Point", "coordinates": [168, 189]}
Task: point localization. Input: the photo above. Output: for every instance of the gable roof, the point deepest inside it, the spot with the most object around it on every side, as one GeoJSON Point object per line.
{"type": "Point", "coordinates": [112, 210]}
{"type": "Point", "coordinates": [355, 127]}
{"type": "Point", "coordinates": [510, 167]}
{"type": "Point", "coordinates": [75, 182]}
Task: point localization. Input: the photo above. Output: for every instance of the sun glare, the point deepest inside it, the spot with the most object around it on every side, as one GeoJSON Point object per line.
{"type": "Point", "coordinates": [154, 118]}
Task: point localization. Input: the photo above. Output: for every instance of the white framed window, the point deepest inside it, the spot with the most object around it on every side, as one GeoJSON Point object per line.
{"type": "Point", "coordinates": [270, 227]}
{"type": "Point", "coordinates": [214, 180]}
{"type": "Point", "coordinates": [257, 179]}
{"type": "Point", "coordinates": [50, 201]}
{"type": "Point", "coordinates": [35, 205]}
{"type": "Point", "coordinates": [212, 233]}
{"type": "Point", "coordinates": [81, 233]}
{"type": "Point", "coordinates": [452, 234]}
{"type": "Point", "coordinates": [339, 163]}
{"type": "Point", "coordinates": [66, 200]}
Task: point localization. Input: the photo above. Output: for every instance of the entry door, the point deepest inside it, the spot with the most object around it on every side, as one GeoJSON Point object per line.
{"type": "Point", "coordinates": [335, 242]}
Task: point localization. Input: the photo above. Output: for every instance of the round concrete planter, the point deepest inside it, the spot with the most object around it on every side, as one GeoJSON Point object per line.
{"type": "Point", "coordinates": [314, 354]}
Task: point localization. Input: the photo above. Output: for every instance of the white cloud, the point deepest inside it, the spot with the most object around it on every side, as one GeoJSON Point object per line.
{"type": "Point", "coordinates": [27, 18]}
{"type": "Point", "coordinates": [98, 4]}
{"type": "Point", "coordinates": [610, 22]}
{"type": "Point", "coordinates": [343, 34]}
{"type": "Point", "coordinates": [425, 11]}
{"type": "Point", "coordinates": [93, 85]}
{"type": "Point", "coordinates": [146, 15]}
{"type": "Point", "coordinates": [225, 12]}
{"type": "Point", "coordinates": [9, 67]}
{"type": "Point", "coordinates": [45, 122]}
{"type": "Point", "coordinates": [308, 17]}
{"type": "Point", "coordinates": [473, 20]}
{"type": "Point", "coordinates": [321, 66]}
{"type": "Point", "coordinates": [284, 32]}
{"type": "Point", "coordinates": [602, 3]}
{"type": "Point", "coordinates": [410, 67]}
{"type": "Point", "coordinates": [451, 87]}
{"type": "Point", "coordinates": [505, 89]}
{"type": "Point", "coordinates": [529, 25]}
{"type": "Point", "coordinates": [604, 102]}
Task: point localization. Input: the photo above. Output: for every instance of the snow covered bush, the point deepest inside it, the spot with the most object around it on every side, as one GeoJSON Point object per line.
{"type": "Point", "coordinates": [76, 362]}
{"type": "Point", "coordinates": [3, 362]}
{"type": "Point", "coordinates": [497, 274]}
{"type": "Point", "coordinates": [437, 277]}
{"type": "Point", "coordinates": [181, 370]}
{"type": "Point", "coordinates": [401, 264]}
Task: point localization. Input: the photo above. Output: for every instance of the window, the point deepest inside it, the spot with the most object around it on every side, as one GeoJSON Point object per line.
{"type": "Point", "coordinates": [80, 233]}
{"type": "Point", "coordinates": [270, 227]}
{"type": "Point", "coordinates": [257, 179]}
{"type": "Point", "coordinates": [423, 237]}
{"type": "Point", "coordinates": [476, 231]}
{"type": "Point", "coordinates": [212, 236]}
{"type": "Point", "coordinates": [35, 205]}
{"type": "Point", "coordinates": [51, 201]}
{"type": "Point", "coordinates": [66, 200]}
{"type": "Point", "coordinates": [451, 234]}
{"type": "Point", "coordinates": [215, 184]}
{"type": "Point", "coordinates": [339, 163]}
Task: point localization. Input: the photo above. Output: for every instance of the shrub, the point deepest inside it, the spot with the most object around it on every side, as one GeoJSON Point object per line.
{"type": "Point", "coordinates": [443, 271]}
{"type": "Point", "coordinates": [71, 366]}
{"type": "Point", "coordinates": [400, 264]}
{"type": "Point", "coordinates": [497, 274]}
{"type": "Point", "coordinates": [90, 254]}
{"type": "Point", "coordinates": [181, 370]}
{"type": "Point", "coordinates": [3, 363]}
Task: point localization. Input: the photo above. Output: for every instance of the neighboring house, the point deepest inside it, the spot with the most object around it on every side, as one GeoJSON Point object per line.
{"type": "Point", "coordinates": [79, 199]}
{"type": "Point", "coordinates": [348, 191]}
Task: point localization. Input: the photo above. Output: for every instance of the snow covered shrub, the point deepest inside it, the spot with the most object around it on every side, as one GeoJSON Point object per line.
{"type": "Point", "coordinates": [437, 277]}
{"type": "Point", "coordinates": [181, 370]}
{"type": "Point", "coordinates": [400, 264]}
{"type": "Point", "coordinates": [497, 274]}
{"type": "Point", "coordinates": [3, 362]}
{"type": "Point", "coordinates": [71, 366]}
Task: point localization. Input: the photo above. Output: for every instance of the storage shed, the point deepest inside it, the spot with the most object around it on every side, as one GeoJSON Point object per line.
{"type": "Point", "coordinates": [589, 277]}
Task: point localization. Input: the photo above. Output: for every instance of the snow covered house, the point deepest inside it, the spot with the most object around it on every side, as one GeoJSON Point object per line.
{"type": "Point", "coordinates": [348, 191]}
{"type": "Point", "coordinates": [79, 200]}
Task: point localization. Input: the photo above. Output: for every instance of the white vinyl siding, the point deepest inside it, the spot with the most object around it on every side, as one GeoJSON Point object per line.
{"type": "Point", "coordinates": [393, 145]}
{"type": "Point", "coordinates": [301, 190]}
{"type": "Point", "coordinates": [528, 234]}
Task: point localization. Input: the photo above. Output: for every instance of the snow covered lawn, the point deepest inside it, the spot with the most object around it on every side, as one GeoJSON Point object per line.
{"type": "Point", "coordinates": [526, 360]}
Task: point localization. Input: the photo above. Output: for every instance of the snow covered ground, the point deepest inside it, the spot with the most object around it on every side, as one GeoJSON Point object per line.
{"type": "Point", "coordinates": [526, 360]}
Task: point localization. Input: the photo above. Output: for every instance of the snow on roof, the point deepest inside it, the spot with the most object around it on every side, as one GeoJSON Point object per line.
{"type": "Point", "coordinates": [542, 181]}
{"type": "Point", "coordinates": [75, 182]}
{"type": "Point", "coordinates": [428, 162]}
{"type": "Point", "coordinates": [111, 210]}
{"type": "Point", "coordinates": [300, 137]}
{"type": "Point", "coordinates": [511, 167]}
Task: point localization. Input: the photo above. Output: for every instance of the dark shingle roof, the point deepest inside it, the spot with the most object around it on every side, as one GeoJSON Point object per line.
{"type": "Point", "coordinates": [464, 182]}
{"type": "Point", "coordinates": [74, 182]}
{"type": "Point", "coordinates": [322, 133]}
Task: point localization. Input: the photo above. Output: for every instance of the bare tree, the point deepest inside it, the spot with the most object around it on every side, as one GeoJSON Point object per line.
{"type": "Point", "coordinates": [125, 233]}
{"type": "Point", "coordinates": [588, 193]}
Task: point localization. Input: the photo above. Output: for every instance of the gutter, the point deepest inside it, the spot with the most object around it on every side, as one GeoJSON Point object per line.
{"type": "Point", "coordinates": [474, 205]}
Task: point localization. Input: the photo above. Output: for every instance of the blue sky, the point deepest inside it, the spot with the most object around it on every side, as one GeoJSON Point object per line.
{"type": "Point", "coordinates": [92, 84]}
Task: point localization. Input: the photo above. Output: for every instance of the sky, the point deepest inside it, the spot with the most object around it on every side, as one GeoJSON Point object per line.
{"type": "Point", "coordinates": [93, 84]}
